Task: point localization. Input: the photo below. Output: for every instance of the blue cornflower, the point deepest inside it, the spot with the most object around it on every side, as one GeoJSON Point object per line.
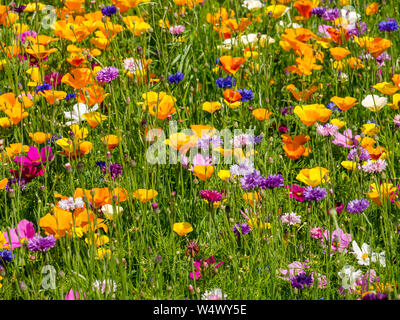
{"type": "Point", "coordinates": [101, 163]}
{"type": "Point", "coordinates": [389, 25]}
{"type": "Point", "coordinates": [43, 87]}
{"type": "Point", "coordinates": [5, 257]}
{"type": "Point", "coordinates": [175, 78]}
{"type": "Point", "coordinates": [357, 206]}
{"type": "Point", "coordinates": [331, 106]}
{"type": "Point", "coordinates": [228, 82]}
{"type": "Point", "coordinates": [70, 96]}
{"type": "Point", "coordinates": [54, 139]}
{"type": "Point", "coordinates": [246, 94]}
{"type": "Point", "coordinates": [314, 194]}
{"type": "Point", "coordinates": [109, 10]}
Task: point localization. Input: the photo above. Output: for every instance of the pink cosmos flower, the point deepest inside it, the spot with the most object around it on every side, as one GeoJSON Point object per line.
{"type": "Point", "coordinates": [24, 230]}
{"type": "Point", "coordinates": [339, 240]}
{"type": "Point", "coordinates": [346, 139]}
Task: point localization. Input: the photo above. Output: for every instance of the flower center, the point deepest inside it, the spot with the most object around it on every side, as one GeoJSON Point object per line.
{"type": "Point", "coordinates": [364, 256]}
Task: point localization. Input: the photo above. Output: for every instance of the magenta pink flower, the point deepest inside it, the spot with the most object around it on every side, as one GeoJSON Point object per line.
{"type": "Point", "coordinates": [203, 266]}
{"type": "Point", "coordinates": [73, 295]}
{"type": "Point", "coordinates": [176, 29]}
{"type": "Point", "coordinates": [296, 192]}
{"type": "Point", "coordinates": [24, 230]}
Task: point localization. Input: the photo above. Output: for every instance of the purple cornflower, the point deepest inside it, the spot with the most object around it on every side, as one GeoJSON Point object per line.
{"type": "Point", "coordinates": [175, 78]}
{"type": "Point", "coordinates": [375, 296]}
{"type": "Point", "coordinates": [107, 74]}
{"type": "Point", "coordinates": [246, 94]}
{"type": "Point", "coordinates": [252, 181]}
{"type": "Point", "coordinates": [227, 82]}
{"type": "Point", "coordinates": [331, 14]}
{"type": "Point", "coordinates": [301, 281]}
{"type": "Point", "coordinates": [358, 154]}
{"type": "Point", "coordinates": [211, 195]}
{"type": "Point", "coordinates": [318, 11]}
{"type": "Point", "coordinates": [242, 228]}
{"type": "Point", "coordinates": [109, 10]}
{"type": "Point", "coordinates": [314, 194]}
{"type": "Point", "coordinates": [39, 243]}
{"type": "Point", "coordinates": [272, 181]}
{"type": "Point", "coordinates": [389, 25]}
{"type": "Point", "coordinates": [114, 169]}
{"type": "Point", "coordinates": [70, 96]}
{"type": "Point", "coordinates": [244, 168]}
{"type": "Point", "coordinates": [357, 206]}
{"type": "Point", "coordinates": [19, 9]}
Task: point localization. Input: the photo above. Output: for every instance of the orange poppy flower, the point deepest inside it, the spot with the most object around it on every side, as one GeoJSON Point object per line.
{"type": "Point", "coordinates": [111, 140]}
{"type": "Point", "coordinates": [232, 96]}
{"type": "Point", "coordinates": [294, 147]}
{"type": "Point", "coordinates": [94, 118]}
{"type": "Point", "coordinates": [92, 95]}
{"type": "Point", "coordinates": [211, 107]}
{"type": "Point", "coordinates": [252, 197]}
{"type": "Point", "coordinates": [40, 52]}
{"type": "Point", "coordinates": [304, 7]}
{"type": "Point", "coordinates": [57, 224]}
{"type": "Point", "coordinates": [52, 96]}
{"type": "Point", "coordinates": [261, 114]}
{"type": "Point", "coordinates": [144, 195]}
{"type": "Point", "coordinates": [40, 137]}
{"type": "Point", "coordinates": [3, 184]}
{"type": "Point", "coordinates": [372, 9]}
{"type": "Point", "coordinates": [301, 95]}
{"type": "Point", "coordinates": [78, 78]}
{"type": "Point", "coordinates": [339, 53]}
{"type": "Point", "coordinates": [374, 46]}
{"type": "Point", "coordinates": [230, 64]}
{"type": "Point", "coordinates": [344, 104]}
{"type": "Point", "coordinates": [203, 172]}
{"type": "Point", "coordinates": [309, 114]}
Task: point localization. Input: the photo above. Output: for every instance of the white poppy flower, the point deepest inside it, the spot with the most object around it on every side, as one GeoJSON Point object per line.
{"type": "Point", "coordinates": [374, 102]}
{"type": "Point", "coordinates": [109, 211]}
{"type": "Point", "coordinates": [350, 15]}
{"type": "Point", "coordinates": [363, 254]}
{"type": "Point", "coordinates": [79, 109]}
{"type": "Point", "coordinates": [252, 4]}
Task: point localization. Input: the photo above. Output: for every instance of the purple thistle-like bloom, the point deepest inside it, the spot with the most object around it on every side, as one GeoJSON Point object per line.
{"type": "Point", "coordinates": [358, 154]}
{"type": "Point", "coordinates": [19, 9]}
{"type": "Point", "coordinates": [314, 194]}
{"type": "Point", "coordinates": [357, 206]}
{"type": "Point", "coordinates": [252, 181]}
{"type": "Point", "coordinates": [109, 10]}
{"type": "Point", "coordinates": [375, 296]}
{"type": "Point", "coordinates": [114, 169]}
{"type": "Point", "coordinates": [211, 195]}
{"type": "Point", "coordinates": [107, 74]}
{"type": "Point", "coordinates": [301, 281]}
{"type": "Point", "coordinates": [272, 181]}
{"type": "Point", "coordinates": [331, 14]}
{"type": "Point", "coordinates": [242, 228]}
{"type": "Point", "coordinates": [40, 243]}
{"type": "Point", "coordinates": [389, 25]}
{"type": "Point", "coordinates": [318, 11]}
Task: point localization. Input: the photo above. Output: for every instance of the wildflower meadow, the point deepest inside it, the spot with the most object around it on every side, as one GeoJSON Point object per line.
{"type": "Point", "coordinates": [199, 150]}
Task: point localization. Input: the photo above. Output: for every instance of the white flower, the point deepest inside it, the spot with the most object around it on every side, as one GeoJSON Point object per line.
{"type": "Point", "coordinates": [351, 16]}
{"type": "Point", "coordinates": [374, 102]}
{"type": "Point", "coordinates": [379, 257]}
{"type": "Point", "coordinates": [293, 25]}
{"type": "Point", "coordinates": [214, 294]}
{"type": "Point", "coordinates": [252, 4]}
{"type": "Point", "coordinates": [362, 254]}
{"type": "Point", "coordinates": [342, 76]}
{"type": "Point", "coordinates": [109, 211]}
{"type": "Point", "coordinates": [349, 276]}
{"type": "Point", "coordinates": [76, 114]}
{"type": "Point", "coordinates": [247, 39]}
